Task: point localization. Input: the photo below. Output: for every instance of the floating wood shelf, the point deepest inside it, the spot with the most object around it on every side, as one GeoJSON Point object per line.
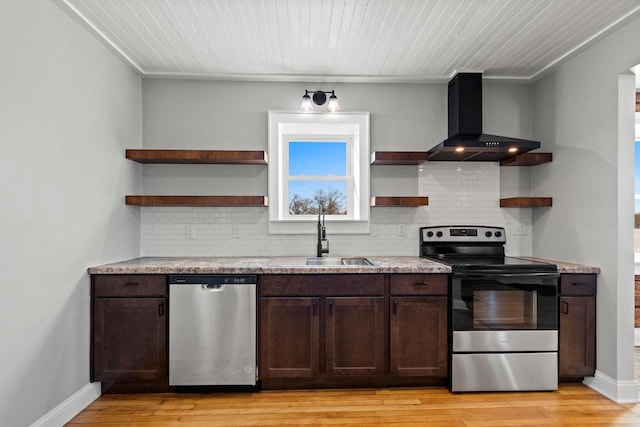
{"type": "Point", "coordinates": [399, 201]}
{"type": "Point", "coordinates": [399, 157]}
{"type": "Point", "coordinates": [526, 202]}
{"type": "Point", "coordinates": [196, 200]}
{"type": "Point", "coordinates": [198, 156]}
{"type": "Point", "coordinates": [528, 159]}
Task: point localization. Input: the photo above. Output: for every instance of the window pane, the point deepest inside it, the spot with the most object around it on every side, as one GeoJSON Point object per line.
{"type": "Point", "coordinates": [304, 197]}
{"type": "Point", "coordinates": [317, 158]}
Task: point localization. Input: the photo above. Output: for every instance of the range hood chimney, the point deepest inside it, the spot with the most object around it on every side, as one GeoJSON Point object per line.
{"type": "Point", "coordinates": [466, 141]}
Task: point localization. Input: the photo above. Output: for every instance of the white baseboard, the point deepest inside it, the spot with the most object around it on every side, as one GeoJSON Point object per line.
{"type": "Point", "coordinates": [64, 412]}
{"type": "Point", "coordinates": [618, 391]}
{"type": "Point", "coordinates": [636, 337]}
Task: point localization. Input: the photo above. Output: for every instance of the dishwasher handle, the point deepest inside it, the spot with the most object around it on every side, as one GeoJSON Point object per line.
{"type": "Point", "coordinates": [213, 287]}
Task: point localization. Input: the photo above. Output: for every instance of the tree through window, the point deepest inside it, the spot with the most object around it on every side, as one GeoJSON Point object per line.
{"type": "Point", "coordinates": [319, 174]}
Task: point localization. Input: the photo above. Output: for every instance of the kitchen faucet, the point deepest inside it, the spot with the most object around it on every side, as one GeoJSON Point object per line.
{"type": "Point", "coordinates": [322, 233]}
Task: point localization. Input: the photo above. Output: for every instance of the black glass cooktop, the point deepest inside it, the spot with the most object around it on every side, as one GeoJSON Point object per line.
{"type": "Point", "coordinates": [492, 263]}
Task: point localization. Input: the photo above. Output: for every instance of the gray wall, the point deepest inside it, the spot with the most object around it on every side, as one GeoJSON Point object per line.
{"type": "Point", "coordinates": [404, 117]}
{"type": "Point", "coordinates": [576, 115]}
{"type": "Point", "coordinates": [68, 109]}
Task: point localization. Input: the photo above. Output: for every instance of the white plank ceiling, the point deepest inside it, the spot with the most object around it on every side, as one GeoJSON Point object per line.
{"type": "Point", "coordinates": [350, 40]}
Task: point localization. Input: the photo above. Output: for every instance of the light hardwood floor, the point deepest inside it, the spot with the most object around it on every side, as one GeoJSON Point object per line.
{"type": "Point", "coordinates": [571, 405]}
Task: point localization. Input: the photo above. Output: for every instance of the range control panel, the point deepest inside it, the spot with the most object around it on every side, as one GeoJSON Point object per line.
{"type": "Point", "coordinates": [462, 233]}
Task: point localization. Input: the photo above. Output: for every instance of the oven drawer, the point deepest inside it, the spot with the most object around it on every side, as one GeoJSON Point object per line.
{"type": "Point", "coordinates": [504, 372]}
{"type": "Point", "coordinates": [419, 284]}
{"type": "Point", "coordinates": [578, 284]}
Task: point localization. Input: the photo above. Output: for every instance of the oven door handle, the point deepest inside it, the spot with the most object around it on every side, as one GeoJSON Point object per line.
{"type": "Point", "coordinates": [506, 275]}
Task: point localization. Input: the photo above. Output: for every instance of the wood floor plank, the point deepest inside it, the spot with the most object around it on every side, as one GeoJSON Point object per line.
{"type": "Point", "coordinates": [571, 405]}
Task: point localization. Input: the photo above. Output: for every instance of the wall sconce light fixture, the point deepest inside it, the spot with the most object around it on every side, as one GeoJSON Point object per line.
{"type": "Point", "coordinates": [319, 97]}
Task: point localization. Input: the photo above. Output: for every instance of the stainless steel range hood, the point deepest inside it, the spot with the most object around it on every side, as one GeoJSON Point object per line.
{"type": "Point", "coordinates": [466, 141]}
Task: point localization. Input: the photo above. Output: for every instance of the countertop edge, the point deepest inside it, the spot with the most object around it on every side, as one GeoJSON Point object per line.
{"type": "Point", "coordinates": [260, 265]}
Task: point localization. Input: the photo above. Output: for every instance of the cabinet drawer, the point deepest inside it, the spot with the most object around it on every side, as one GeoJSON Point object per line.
{"type": "Point", "coordinates": [322, 285]}
{"type": "Point", "coordinates": [133, 285]}
{"type": "Point", "coordinates": [419, 284]}
{"type": "Point", "coordinates": [578, 284]}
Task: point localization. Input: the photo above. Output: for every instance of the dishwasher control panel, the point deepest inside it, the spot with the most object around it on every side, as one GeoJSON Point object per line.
{"type": "Point", "coordinates": [197, 279]}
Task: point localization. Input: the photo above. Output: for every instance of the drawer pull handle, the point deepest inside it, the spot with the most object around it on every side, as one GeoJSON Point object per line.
{"type": "Point", "coordinates": [579, 283]}
{"type": "Point", "coordinates": [161, 309]}
{"type": "Point", "coordinates": [131, 284]}
{"type": "Point", "coordinates": [394, 306]}
{"type": "Point", "coordinates": [565, 307]}
{"type": "Point", "coordinates": [420, 284]}
{"type": "Point", "coordinates": [331, 309]}
{"type": "Point", "coordinates": [314, 306]}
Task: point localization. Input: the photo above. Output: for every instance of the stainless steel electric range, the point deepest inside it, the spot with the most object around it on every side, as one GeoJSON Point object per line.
{"type": "Point", "coordinates": [503, 311]}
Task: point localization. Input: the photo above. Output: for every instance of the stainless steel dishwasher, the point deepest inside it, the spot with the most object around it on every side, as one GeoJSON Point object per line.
{"type": "Point", "coordinates": [212, 330]}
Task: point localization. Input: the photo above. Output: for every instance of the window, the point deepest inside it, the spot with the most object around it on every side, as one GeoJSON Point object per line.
{"type": "Point", "coordinates": [319, 174]}
{"type": "Point", "coordinates": [318, 158]}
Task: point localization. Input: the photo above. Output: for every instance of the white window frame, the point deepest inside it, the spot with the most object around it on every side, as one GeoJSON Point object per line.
{"type": "Point", "coordinates": [299, 126]}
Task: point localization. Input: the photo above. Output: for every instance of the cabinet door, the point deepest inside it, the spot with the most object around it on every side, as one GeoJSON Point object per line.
{"type": "Point", "coordinates": [418, 336]}
{"type": "Point", "coordinates": [130, 339]}
{"type": "Point", "coordinates": [355, 336]}
{"type": "Point", "coordinates": [289, 337]}
{"type": "Point", "coordinates": [577, 336]}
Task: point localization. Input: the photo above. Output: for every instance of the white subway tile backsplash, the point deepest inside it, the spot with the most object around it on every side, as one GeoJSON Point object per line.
{"type": "Point", "coordinates": [459, 194]}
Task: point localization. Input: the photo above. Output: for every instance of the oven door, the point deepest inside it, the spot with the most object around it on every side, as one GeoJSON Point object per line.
{"type": "Point", "coordinates": [504, 312]}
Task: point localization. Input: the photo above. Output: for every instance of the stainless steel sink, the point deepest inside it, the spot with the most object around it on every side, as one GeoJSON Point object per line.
{"type": "Point", "coordinates": [356, 261]}
{"type": "Point", "coordinates": [319, 262]}
{"type": "Point", "coordinates": [352, 261]}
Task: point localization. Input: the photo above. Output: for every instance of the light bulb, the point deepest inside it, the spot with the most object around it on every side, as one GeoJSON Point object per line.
{"type": "Point", "coordinates": [333, 104]}
{"type": "Point", "coordinates": [306, 105]}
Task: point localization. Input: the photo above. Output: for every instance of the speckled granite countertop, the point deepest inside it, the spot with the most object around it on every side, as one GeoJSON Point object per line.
{"type": "Point", "coordinates": [568, 267]}
{"type": "Point", "coordinates": [263, 265]}
{"type": "Point", "coordinates": [287, 265]}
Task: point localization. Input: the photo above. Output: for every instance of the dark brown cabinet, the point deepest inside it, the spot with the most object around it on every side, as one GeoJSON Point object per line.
{"type": "Point", "coordinates": [129, 329]}
{"type": "Point", "coordinates": [289, 337]}
{"type": "Point", "coordinates": [418, 325]}
{"type": "Point", "coordinates": [355, 331]}
{"type": "Point", "coordinates": [315, 327]}
{"type": "Point", "coordinates": [577, 347]}
{"type": "Point", "coordinates": [332, 330]}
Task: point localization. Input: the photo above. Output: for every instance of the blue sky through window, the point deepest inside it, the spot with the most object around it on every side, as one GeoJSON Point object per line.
{"type": "Point", "coordinates": [317, 159]}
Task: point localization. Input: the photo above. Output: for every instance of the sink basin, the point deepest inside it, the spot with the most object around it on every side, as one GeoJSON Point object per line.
{"type": "Point", "coordinates": [356, 261]}
{"type": "Point", "coordinates": [338, 261]}
{"type": "Point", "coordinates": [319, 262]}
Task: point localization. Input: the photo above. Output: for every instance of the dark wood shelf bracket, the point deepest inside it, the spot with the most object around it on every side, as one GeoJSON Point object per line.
{"type": "Point", "coordinates": [526, 202]}
{"type": "Point", "coordinates": [409, 201]}
{"type": "Point", "coordinates": [197, 200]}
